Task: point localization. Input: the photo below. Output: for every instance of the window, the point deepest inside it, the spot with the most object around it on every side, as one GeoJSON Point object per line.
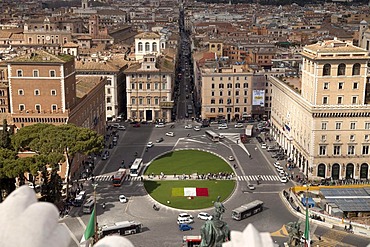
{"type": "Point", "coordinates": [220, 78]}
{"type": "Point", "coordinates": [213, 101]}
{"type": "Point", "coordinates": [366, 137]}
{"type": "Point", "coordinates": [323, 138]}
{"type": "Point", "coordinates": [140, 101]}
{"type": "Point", "coordinates": [323, 125]}
{"type": "Point", "coordinates": [341, 69]}
{"type": "Point", "coordinates": [356, 69]}
{"type": "Point", "coordinates": [325, 100]}
{"type": "Point", "coordinates": [212, 93]}
{"type": "Point", "coordinates": [21, 92]}
{"type": "Point", "coordinates": [338, 126]}
{"type": "Point", "coordinates": [237, 93]}
{"type": "Point", "coordinates": [229, 85]}
{"type": "Point", "coordinates": [237, 85]}
{"type": "Point", "coordinates": [220, 93]}
{"type": "Point", "coordinates": [132, 101]}
{"type": "Point", "coordinates": [237, 109]}
{"type": "Point", "coordinates": [237, 101]}
{"type": "Point", "coordinates": [245, 85]}
{"type": "Point", "coordinates": [140, 86]}
{"type": "Point", "coordinates": [148, 86]}
{"type": "Point", "coordinates": [367, 125]}
{"type": "Point", "coordinates": [52, 73]}
{"type": "Point", "coordinates": [336, 150]}
{"type": "Point", "coordinates": [340, 85]}
{"type": "Point", "coordinates": [351, 150]}
{"type": "Point", "coordinates": [108, 91]}
{"type": "Point", "coordinates": [322, 150]}
{"type": "Point", "coordinates": [228, 93]}
{"type": "Point", "coordinates": [147, 46]}
{"type": "Point", "coordinates": [213, 78]}
{"type": "Point", "coordinates": [132, 85]}
{"type": "Point", "coordinates": [53, 92]}
{"type": "Point", "coordinates": [140, 46]}
{"type": "Point", "coordinates": [220, 101]}
{"type": "Point", "coordinates": [340, 100]}
{"type": "Point", "coordinates": [35, 73]}
{"type": "Point", "coordinates": [109, 99]}
{"type": "Point", "coordinates": [365, 149]}
{"type": "Point", "coordinates": [54, 107]}
{"type": "Point", "coordinates": [352, 126]}
{"type": "Point", "coordinates": [154, 46]}
{"type": "Point", "coordinates": [109, 82]}
{"type": "Point", "coordinates": [337, 138]}
{"type": "Point", "coordinates": [245, 92]}
{"type": "Point", "coordinates": [38, 108]}
{"type": "Point", "coordinates": [19, 73]}
{"type": "Point", "coordinates": [354, 99]}
{"type": "Point", "coordinates": [355, 85]}
{"type": "Point", "coordinates": [326, 70]}
{"type": "Point", "coordinates": [212, 85]}
{"type": "Point", "coordinates": [109, 108]}
{"type": "Point", "coordinates": [221, 85]}
{"type": "Point", "coordinates": [37, 92]}
{"type": "Point", "coordinates": [148, 101]}
{"type": "Point", "coordinates": [220, 109]}
{"type": "Point", "coordinates": [326, 85]}
{"type": "Point", "coordinates": [213, 110]}
{"type": "Point", "coordinates": [352, 137]}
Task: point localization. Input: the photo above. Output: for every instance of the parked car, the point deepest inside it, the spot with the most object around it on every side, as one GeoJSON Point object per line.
{"type": "Point", "coordinates": [263, 145]}
{"type": "Point", "coordinates": [122, 199]}
{"type": "Point", "coordinates": [188, 126]}
{"type": "Point", "coordinates": [185, 216]}
{"type": "Point", "coordinates": [170, 134]}
{"type": "Point", "coordinates": [197, 128]}
{"type": "Point", "coordinates": [204, 216]}
{"type": "Point", "coordinates": [239, 125]}
{"type": "Point", "coordinates": [272, 149]}
{"type": "Point", "coordinates": [231, 158]}
{"type": "Point", "coordinates": [150, 144]}
{"type": "Point", "coordinates": [185, 227]}
{"type": "Point", "coordinates": [160, 125]}
{"type": "Point", "coordinates": [159, 140]}
{"type": "Point", "coordinates": [185, 221]}
{"type": "Point", "coordinates": [222, 126]}
{"type": "Point", "coordinates": [121, 127]}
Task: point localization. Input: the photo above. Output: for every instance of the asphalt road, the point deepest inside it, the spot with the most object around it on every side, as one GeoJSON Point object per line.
{"type": "Point", "coordinates": [160, 228]}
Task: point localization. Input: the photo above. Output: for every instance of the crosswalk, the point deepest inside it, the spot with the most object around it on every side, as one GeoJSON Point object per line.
{"type": "Point", "coordinates": [258, 177]}
{"type": "Point", "coordinates": [109, 178]}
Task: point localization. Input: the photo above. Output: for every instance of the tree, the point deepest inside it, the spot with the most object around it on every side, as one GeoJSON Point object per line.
{"type": "Point", "coordinates": [5, 136]}
{"type": "Point", "coordinates": [53, 144]}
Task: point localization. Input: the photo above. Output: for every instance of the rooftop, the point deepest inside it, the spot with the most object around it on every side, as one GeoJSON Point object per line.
{"type": "Point", "coordinates": [43, 57]}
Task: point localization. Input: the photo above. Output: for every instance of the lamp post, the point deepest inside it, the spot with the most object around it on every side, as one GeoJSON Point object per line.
{"type": "Point", "coordinates": [95, 184]}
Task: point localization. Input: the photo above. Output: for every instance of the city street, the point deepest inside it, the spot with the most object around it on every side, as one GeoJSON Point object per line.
{"type": "Point", "coordinates": [160, 228]}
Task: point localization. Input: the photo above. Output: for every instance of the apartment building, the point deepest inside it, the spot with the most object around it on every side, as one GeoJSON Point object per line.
{"type": "Point", "coordinates": [149, 89]}
{"type": "Point", "coordinates": [42, 89]}
{"type": "Point", "coordinates": [323, 121]}
{"type": "Point", "coordinates": [229, 91]}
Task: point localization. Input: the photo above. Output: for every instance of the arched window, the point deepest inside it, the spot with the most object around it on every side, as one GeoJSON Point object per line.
{"type": "Point", "coordinates": [335, 171]}
{"type": "Point", "coordinates": [326, 70]}
{"type": "Point", "coordinates": [147, 46]}
{"type": "Point", "coordinates": [350, 171]}
{"type": "Point", "coordinates": [220, 101]}
{"type": "Point", "coordinates": [321, 170]}
{"type": "Point", "coordinates": [356, 69]}
{"type": "Point", "coordinates": [342, 69]}
{"type": "Point", "coordinates": [140, 46]}
{"type": "Point", "coordinates": [364, 171]}
{"type": "Point", "coordinates": [154, 46]}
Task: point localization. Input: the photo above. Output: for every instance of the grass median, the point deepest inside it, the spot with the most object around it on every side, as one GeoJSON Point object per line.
{"type": "Point", "coordinates": [188, 162]}
{"type": "Point", "coordinates": [162, 191]}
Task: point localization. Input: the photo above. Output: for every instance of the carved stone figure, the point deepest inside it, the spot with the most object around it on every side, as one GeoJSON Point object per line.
{"type": "Point", "coordinates": [215, 232]}
{"type": "Point", "coordinates": [295, 233]}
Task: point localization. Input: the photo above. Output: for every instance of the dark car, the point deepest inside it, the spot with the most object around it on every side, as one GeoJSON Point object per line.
{"type": "Point", "coordinates": [185, 227]}
{"type": "Point", "coordinates": [159, 140]}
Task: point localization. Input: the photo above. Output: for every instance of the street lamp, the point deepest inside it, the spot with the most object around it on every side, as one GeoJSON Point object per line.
{"type": "Point", "coordinates": [95, 184]}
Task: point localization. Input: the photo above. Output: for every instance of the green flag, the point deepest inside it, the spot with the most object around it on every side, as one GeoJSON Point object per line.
{"type": "Point", "coordinates": [307, 227]}
{"type": "Point", "coordinates": [90, 228]}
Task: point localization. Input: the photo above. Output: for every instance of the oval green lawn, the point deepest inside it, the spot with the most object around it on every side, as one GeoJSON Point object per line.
{"type": "Point", "coordinates": [161, 191]}
{"type": "Point", "coordinates": [188, 162]}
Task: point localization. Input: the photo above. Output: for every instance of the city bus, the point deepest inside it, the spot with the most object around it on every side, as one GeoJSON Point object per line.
{"type": "Point", "coordinates": [136, 167]}
{"type": "Point", "coordinates": [88, 206]}
{"type": "Point", "coordinates": [212, 135]}
{"type": "Point", "coordinates": [118, 177]}
{"type": "Point", "coordinates": [247, 210]}
{"type": "Point", "coordinates": [121, 228]}
{"type": "Point", "coordinates": [191, 241]}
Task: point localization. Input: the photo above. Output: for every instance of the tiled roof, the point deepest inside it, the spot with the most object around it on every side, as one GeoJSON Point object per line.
{"type": "Point", "coordinates": [85, 83]}
{"type": "Point", "coordinates": [42, 56]}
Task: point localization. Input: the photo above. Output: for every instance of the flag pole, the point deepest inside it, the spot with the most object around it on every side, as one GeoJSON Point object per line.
{"type": "Point", "coordinates": [307, 221]}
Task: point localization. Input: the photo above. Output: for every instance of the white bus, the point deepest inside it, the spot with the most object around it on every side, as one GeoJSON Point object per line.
{"type": "Point", "coordinates": [247, 210]}
{"type": "Point", "coordinates": [88, 206]}
{"type": "Point", "coordinates": [212, 135]}
{"type": "Point", "coordinates": [122, 228]}
{"type": "Point", "coordinates": [136, 167]}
